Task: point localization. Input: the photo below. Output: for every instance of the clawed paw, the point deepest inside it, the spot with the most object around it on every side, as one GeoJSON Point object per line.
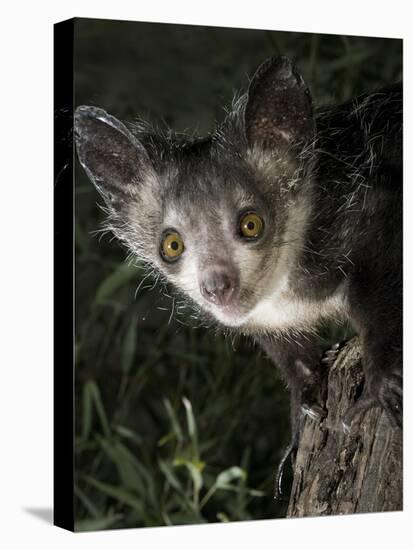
{"type": "Point", "coordinates": [385, 391]}
{"type": "Point", "coordinates": [389, 391]}
{"type": "Point", "coordinates": [314, 411]}
{"type": "Point", "coordinates": [290, 452]}
{"type": "Point", "coordinates": [330, 355]}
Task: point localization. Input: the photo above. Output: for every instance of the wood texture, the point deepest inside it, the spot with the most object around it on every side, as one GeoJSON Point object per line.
{"type": "Point", "coordinates": [338, 473]}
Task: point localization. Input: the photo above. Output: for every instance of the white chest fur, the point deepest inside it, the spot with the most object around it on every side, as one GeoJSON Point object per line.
{"type": "Point", "coordinates": [284, 311]}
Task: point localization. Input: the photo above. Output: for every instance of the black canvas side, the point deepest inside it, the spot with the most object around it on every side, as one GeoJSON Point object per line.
{"type": "Point", "coordinates": [63, 275]}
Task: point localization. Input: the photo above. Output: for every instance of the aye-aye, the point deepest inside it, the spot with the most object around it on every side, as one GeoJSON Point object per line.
{"type": "Point", "coordinates": [278, 221]}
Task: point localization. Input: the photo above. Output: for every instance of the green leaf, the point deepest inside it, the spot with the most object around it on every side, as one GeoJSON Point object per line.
{"type": "Point", "coordinates": [170, 476]}
{"type": "Point", "coordinates": [87, 503]}
{"type": "Point", "coordinates": [166, 439]}
{"type": "Point", "coordinates": [255, 493]}
{"type": "Point", "coordinates": [81, 240]}
{"type": "Point", "coordinates": [174, 420]}
{"type": "Point", "coordinates": [352, 59]}
{"type": "Point", "coordinates": [192, 431]}
{"type": "Point", "coordinates": [119, 277]}
{"type": "Point", "coordinates": [127, 433]}
{"type": "Point", "coordinates": [96, 524]}
{"type": "Point", "coordinates": [129, 346]}
{"type": "Point", "coordinates": [125, 463]}
{"type": "Point", "coordinates": [118, 493]}
{"type": "Point", "coordinates": [195, 475]}
{"type": "Point", "coordinates": [92, 388]}
{"type": "Point", "coordinates": [87, 412]}
{"type": "Point", "coordinates": [182, 518]}
{"type": "Point", "coordinates": [195, 470]}
{"type": "Point", "coordinates": [223, 481]}
{"type": "Point", "coordinates": [223, 517]}
{"type": "Point", "coordinates": [227, 476]}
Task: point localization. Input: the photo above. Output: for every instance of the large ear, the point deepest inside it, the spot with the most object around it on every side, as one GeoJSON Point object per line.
{"type": "Point", "coordinates": [114, 159]}
{"type": "Point", "coordinates": [278, 111]}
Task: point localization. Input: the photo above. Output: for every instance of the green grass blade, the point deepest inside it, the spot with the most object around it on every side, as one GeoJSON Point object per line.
{"type": "Point", "coordinates": [192, 431]}
{"type": "Point", "coordinates": [96, 524]}
{"type": "Point", "coordinates": [100, 410]}
{"type": "Point", "coordinates": [119, 494]}
{"type": "Point", "coordinates": [129, 346]}
{"type": "Point", "coordinates": [119, 277]}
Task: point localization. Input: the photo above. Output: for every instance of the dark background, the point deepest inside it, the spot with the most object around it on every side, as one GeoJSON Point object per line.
{"type": "Point", "coordinates": [174, 423]}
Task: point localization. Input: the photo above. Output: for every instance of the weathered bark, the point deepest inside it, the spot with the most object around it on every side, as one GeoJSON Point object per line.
{"type": "Point", "coordinates": [337, 473]}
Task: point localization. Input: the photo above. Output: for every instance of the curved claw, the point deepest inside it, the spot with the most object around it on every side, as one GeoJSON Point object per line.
{"type": "Point", "coordinates": [278, 493]}
{"type": "Point", "coordinates": [314, 411]}
{"type": "Point", "coordinates": [346, 427]}
{"type": "Point", "coordinates": [289, 452]}
{"type": "Point", "coordinates": [390, 400]}
{"type": "Point", "coordinates": [309, 407]}
{"type": "Point", "coordinates": [330, 355]}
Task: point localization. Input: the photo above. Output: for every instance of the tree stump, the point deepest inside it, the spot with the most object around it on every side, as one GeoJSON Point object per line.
{"type": "Point", "coordinates": [338, 473]}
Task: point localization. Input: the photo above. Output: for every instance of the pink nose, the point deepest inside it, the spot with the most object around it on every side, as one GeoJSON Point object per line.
{"type": "Point", "coordinates": [218, 287]}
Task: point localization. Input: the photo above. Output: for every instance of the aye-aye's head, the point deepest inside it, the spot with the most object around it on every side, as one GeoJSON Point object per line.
{"type": "Point", "coordinates": [220, 217]}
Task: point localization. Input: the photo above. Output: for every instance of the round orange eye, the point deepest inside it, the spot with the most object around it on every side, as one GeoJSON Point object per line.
{"type": "Point", "coordinates": [172, 246]}
{"type": "Point", "coordinates": [251, 225]}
